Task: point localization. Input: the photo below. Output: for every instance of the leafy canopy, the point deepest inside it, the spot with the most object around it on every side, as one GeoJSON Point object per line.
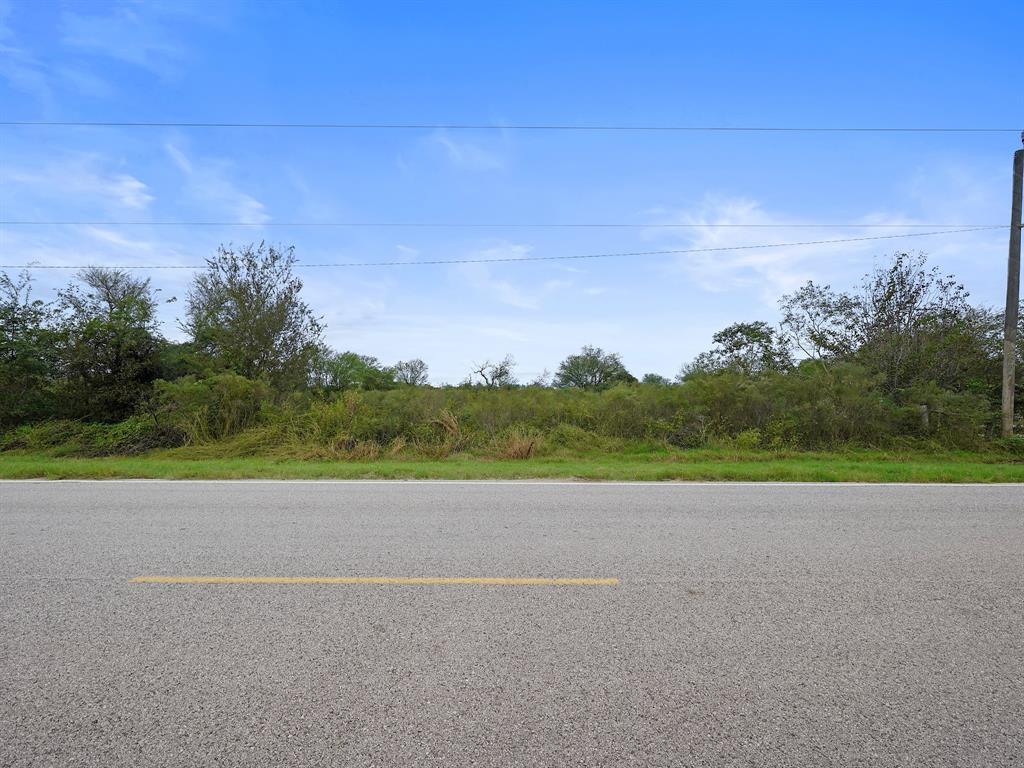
{"type": "Point", "coordinates": [592, 368]}
{"type": "Point", "coordinates": [245, 313]}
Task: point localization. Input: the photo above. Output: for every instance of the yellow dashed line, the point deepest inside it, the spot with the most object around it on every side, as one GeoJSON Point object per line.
{"type": "Point", "coordinates": [404, 580]}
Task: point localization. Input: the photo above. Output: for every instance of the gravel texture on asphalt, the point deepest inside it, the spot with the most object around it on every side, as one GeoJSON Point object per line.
{"type": "Point", "coordinates": [753, 625]}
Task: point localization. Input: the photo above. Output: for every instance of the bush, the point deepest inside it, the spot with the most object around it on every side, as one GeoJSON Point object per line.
{"type": "Point", "coordinates": [76, 438]}
{"type": "Point", "coordinates": [516, 443]}
{"type": "Point", "coordinates": [1012, 445]}
{"type": "Point", "coordinates": [211, 408]}
{"type": "Point", "coordinates": [749, 439]}
{"type": "Point", "coordinates": [573, 438]}
{"type": "Point", "coordinates": [807, 408]}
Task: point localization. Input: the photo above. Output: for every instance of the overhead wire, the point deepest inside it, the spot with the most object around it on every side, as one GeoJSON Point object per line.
{"type": "Point", "coordinates": [524, 259]}
{"type": "Point", "coordinates": [483, 225]}
{"type": "Point", "coordinates": [505, 127]}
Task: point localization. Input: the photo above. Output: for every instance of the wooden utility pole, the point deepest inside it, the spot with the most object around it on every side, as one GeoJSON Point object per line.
{"type": "Point", "coordinates": [1012, 294]}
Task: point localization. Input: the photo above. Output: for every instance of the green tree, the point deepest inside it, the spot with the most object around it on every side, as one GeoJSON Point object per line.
{"type": "Point", "coordinates": [27, 352]}
{"type": "Point", "coordinates": [411, 372]}
{"type": "Point", "coordinates": [820, 323]}
{"type": "Point", "coordinates": [907, 322]}
{"type": "Point", "coordinates": [749, 348]}
{"type": "Point", "coordinates": [915, 324]}
{"type": "Point", "coordinates": [108, 344]}
{"type": "Point", "coordinates": [592, 368]}
{"type": "Point", "coordinates": [348, 370]}
{"type": "Point", "coordinates": [656, 379]}
{"type": "Point", "coordinates": [499, 374]}
{"type": "Point", "coordinates": [245, 314]}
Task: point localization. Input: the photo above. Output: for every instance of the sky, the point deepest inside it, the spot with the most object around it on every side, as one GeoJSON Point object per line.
{"type": "Point", "coordinates": [934, 64]}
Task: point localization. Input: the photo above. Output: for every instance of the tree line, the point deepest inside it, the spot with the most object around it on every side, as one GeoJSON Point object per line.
{"type": "Point", "coordinates": [908, 335]}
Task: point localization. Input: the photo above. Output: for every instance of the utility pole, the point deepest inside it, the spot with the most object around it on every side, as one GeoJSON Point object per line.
{"type": "Point", "coordinates": [1012, 293]}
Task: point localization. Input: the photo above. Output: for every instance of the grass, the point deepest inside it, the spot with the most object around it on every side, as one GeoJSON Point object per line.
{"type": "Point", "coordinates": [698, 464]}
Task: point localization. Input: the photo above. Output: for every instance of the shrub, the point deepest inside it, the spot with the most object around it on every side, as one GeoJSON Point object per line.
{"type": "Point", "coordinates": [211, 408]}
{"type": "Point", "coordinates": [809, 407]}
{"type": "Point", "coordinates": [1012, 445]}
{"type": "Point", "coordinates": [516, 443]}
{"type": "Point", "coordinates": [67, 437]}
{"type": "Point", "coordinates": [573, 438]}
{"type": "Point", "coordinates": [748, 439]}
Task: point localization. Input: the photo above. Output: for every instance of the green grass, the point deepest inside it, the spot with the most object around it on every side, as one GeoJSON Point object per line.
{"type": "Point", "coordinates": [703, 464]}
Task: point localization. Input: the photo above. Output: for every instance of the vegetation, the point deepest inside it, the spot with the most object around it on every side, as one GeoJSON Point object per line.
{"type": "Point", "coordinates": [592, 368]}
{"type": "Point", "coordinates": [699, 464]}
{"type": "Point", "coordinates": [244, 314]}
{"type": "Point", "coordinates": [904, 365]}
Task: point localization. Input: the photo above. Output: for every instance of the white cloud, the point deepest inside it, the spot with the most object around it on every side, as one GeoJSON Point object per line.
{"type": "Point", "coordinates": [133, 34]}
{"type": "Point", "coordinates": [84, 82]}
{"type": "Point", "coordinates": [774, 270]}
{"type": "Point", "coordinates": [81, 179]}
{"type": "Point", "coordinates": [939, 196]}
{"type": "Point", "coordinates": [111, 237]}
{"type": "Point", "coordinates": [407, 253]}
{"type": "Point", "coordinates": [468, 155]}
{"type": "Point", "coordinates": [18, 66]}
{"type": "Point", "coordinates": [208, 183]}
{"type": "Point", "coordinates": [26, 72]}
{"type": "Point", "coordinates": [144, 35]}
{"type": "Point", "coordinates": [480, 276]}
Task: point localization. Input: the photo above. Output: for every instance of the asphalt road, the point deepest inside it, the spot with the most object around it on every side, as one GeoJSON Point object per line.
{"type": "Point", "coordinates": [753, 625]}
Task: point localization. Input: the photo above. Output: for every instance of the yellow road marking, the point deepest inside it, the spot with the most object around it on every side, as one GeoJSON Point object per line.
{"type": "Point", "coordinates": [407, 580]}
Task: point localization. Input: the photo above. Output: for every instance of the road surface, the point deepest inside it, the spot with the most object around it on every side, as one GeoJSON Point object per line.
{"type": "Point", "coordinates": [719, 625]}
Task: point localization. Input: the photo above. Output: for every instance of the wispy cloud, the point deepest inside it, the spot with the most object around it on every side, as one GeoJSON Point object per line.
{"type": "Point", "coordinates": [25, 73]}
{"type": "Point", "coordinates": [79, 179]}
{"type": "Point", "coordinates": [466, 154]}
{"type": "Point", "coordinates": [144, 35]}
{"type": "Point", "coordinates": [119, 239]}
{"type": "Point", "coordinates": [407, 253]}
{"type": "Point", "coordinates": [18, 66]}
{"type": "Point", "coordinates": [481, 279]}
{"type": "Point", "coordinates": [934, 196]}
{"type": "Point", "coordinates": [773, 270]}
{"type": "Point", "coordinates": [40, 78]}
{"type": "Point", "coordinates": [207, 181]}
{"type": "Point", "coordinates": [132, 33]}
{"type": "Point", "coordinates": [83, 82]}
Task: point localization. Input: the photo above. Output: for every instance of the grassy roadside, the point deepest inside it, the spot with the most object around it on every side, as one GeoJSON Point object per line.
{"type": "Point", "coordinates": [710, 464]}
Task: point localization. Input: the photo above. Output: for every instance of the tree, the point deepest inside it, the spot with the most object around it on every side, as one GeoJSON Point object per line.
{"type": "Point", "coordinates": [909, 323]}
{"type": "Point", "coordinates": [542, 379]}
{"type": "Point", "coordinates": [820, 323]}
{"type": "Point", "coordinates": [748, 348]}
{"type": "Point", "coordinates": [27, 352]}
{"type": "Point", "coordinates": [655, 379]}
{"type": "Point", "coordinates": [348, 370]}
{"type": "Point", "coordinates": [592, 368]}
{"type": "Point", "coordinates": [244, 313]}
{"type": "Point", "coordinates": [412, 372]}
{"type": "Point", "coordinates": [912, 322]}
{"type": "Point", "coordinates": [500, 374]}
{"type": "Point", "coordinates": [108, 344]}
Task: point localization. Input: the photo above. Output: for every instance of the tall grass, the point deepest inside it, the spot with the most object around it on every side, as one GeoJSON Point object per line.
{"type": "Point", "coordinates": [810, 409]}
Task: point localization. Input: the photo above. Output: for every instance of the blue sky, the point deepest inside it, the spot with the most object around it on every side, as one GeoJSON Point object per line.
{"type": "Point", "coordinates": [818, 64]}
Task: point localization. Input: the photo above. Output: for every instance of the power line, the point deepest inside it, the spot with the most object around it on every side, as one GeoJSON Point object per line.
{"type": "Point", "coordinates": [536, 258]}
{"type": "Point", "coordinates": [480, 225]}
{"type": "Point", "coordinates": [519, 127]}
